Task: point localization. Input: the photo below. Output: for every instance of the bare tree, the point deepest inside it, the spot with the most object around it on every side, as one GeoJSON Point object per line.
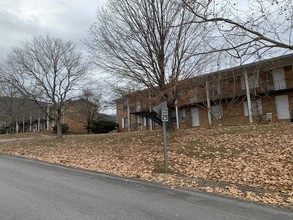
{"type": "Point", "coordinates": [250, 28]}
{"type": "Point", "coordinates": [46, 69]}
{"type": "Point", "coordinates": [145, 42]}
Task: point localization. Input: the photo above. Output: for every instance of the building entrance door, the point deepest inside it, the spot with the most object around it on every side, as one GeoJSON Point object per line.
{"type": "Point", "coordinates": [195, 116]}
{"type": "Point", "coordinates": [282, 105]}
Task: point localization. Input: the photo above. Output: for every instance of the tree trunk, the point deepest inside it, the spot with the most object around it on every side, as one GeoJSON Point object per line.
{"type": "Point", "coordinates": [58, 123]}
{"type": "Point", "coordinates": [59, 129]}
{"type": "Point", "coordinates": [88, 126]}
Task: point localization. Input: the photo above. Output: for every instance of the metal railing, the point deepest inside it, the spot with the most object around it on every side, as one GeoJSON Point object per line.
{"type": "Point", "coordinates": [278, 85]}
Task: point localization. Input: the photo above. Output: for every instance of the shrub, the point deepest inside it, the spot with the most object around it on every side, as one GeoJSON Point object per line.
{"type": "Point", "coordinates": [65, 128]}
{"type": "Point", "coordinates": [3, 131]}
{"type": "Point", "coordinates": [102, 126]}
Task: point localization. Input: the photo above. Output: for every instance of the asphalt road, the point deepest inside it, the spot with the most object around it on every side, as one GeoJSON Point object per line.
{"type": "Point", "coordinates": [36, 190]}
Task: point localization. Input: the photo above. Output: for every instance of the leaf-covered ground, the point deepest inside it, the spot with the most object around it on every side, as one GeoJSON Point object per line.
{"type": "Point", "coordinates": [247, 162]}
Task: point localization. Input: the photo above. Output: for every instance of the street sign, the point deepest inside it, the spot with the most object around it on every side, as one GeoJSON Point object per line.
{"type": "Point", "coordinates": [164, 114]}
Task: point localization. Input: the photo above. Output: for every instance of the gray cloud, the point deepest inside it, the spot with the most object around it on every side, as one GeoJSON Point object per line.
{"type": "Point", "coordinates": [21, 20]}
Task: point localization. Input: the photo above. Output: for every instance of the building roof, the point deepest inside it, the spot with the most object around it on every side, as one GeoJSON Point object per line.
{"type": "Point", "coordinates": [267, 64]}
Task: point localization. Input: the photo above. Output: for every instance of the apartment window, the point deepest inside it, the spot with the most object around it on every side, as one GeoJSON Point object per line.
{"type": "Point", "coordinates": [146, 121]}
{"type": "Point", "coordinates": [253, 81]}
{"type": "Point", "coordinates": [181, 115]}
{"type": "Point", "coordinates": [216, 111]}
{"type": "Point", "coordinates": [125, 104]}
{"type": "Point", "coordinates": [124, 122]}
{"type": "Point", "coordinates": [138, 107]}
{"type": "Point", "coordinates": [256, 107]}
{"type": "Point", "coordinates": [215, 89]}
{"type": "Point", "coordinates": [213, 92]}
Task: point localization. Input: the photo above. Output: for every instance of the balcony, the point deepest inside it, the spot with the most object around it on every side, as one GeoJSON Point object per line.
{"type": "Point", "coordinates": [232, 92]}
{"type": "Point", "coordinates": [278, 85]}
{"type": "Point", "coordinates": [274, 85]}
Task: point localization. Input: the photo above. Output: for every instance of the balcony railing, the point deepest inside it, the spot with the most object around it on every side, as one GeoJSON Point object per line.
{"type": "Point", "coordinates": [232, 92]}
{"type": "Point", "coordinates": [278, 85]}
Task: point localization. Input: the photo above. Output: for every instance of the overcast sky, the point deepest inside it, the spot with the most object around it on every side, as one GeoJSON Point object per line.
{"type": "Point", "coordinates": [21, 20]}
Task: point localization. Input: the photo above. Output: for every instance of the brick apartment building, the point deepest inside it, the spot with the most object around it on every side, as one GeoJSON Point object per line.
{"type": "Point", "coordinates": [78, 113]}
{"type": "Point", "coordinates": [253, 93]}
{"type": "Point", "coordinates": [24, 115]}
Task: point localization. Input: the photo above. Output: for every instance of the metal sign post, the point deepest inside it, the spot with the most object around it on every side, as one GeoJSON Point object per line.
{"type": "Point", "coordinates": [165, 117]}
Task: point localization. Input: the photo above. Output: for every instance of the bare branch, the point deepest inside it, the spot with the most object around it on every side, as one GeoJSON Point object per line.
{"type": "Point", "coordinates": [46, 70]}
{"type": "Point", "coordinates": [268, 23]}
{"type": "Point", "coordinates": [145, 42]}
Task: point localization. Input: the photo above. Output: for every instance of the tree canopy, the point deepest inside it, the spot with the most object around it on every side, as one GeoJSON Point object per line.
{"type": "Point", "coordinates": [145, 41]}
{"type": "Point", "coordinates": [46, 69]}
{"type": "Point", "coordinates": [249, 28]}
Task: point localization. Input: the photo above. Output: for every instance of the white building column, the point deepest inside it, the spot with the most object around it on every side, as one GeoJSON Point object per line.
{"type": "Point", "coordinates": [208, 102]}
{"type": "Point", "coordinates": [128, 116]}
{"type": "Point", "coordinates": [48, 118]}
{"type": "Point", "coordinates": [139, 123]}
{"type": "Point", "coordinates": [150, 109]}
{"type": "Point", "coordinates": [177, 115]}
{"type": "Point", "coordinates": [16, 126]}
{"type": "Point", "coordinates": [150, 121]}
{"type": "Point", "coordinates": [39, 122]}
{"type": "Point", "coordinates": [248, 96]}
{"type": "Point", "coordinates": [31, 121]}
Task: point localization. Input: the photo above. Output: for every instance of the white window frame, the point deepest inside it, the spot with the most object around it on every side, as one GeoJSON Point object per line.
{"type": "Point", "coordinates": [125, 104]}
{"type": "Point", "coordinates": [253, 81]}
{"type": "Point", "coordinates": [181, 115]}
{"type": "Point", "coordinates": [124, 122]}
{"type": "Point", "coordinates": [138, 107]}
{"type": "Point", "coordinates": [217, 111]}
{"type": "Point", "coordinates": [145, 121]}
{"type": "Point", "coordinates": [256, 107]}
{"type": "Point", "coordinates": [215, 89]}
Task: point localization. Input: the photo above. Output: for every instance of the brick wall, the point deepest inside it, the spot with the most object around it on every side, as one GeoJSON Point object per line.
{"type": "Point", "coordinates": [231, 88]}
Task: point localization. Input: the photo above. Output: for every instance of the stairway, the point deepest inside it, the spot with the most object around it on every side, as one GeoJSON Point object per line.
{"type": "Point", "coordinates": [154, 116]}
